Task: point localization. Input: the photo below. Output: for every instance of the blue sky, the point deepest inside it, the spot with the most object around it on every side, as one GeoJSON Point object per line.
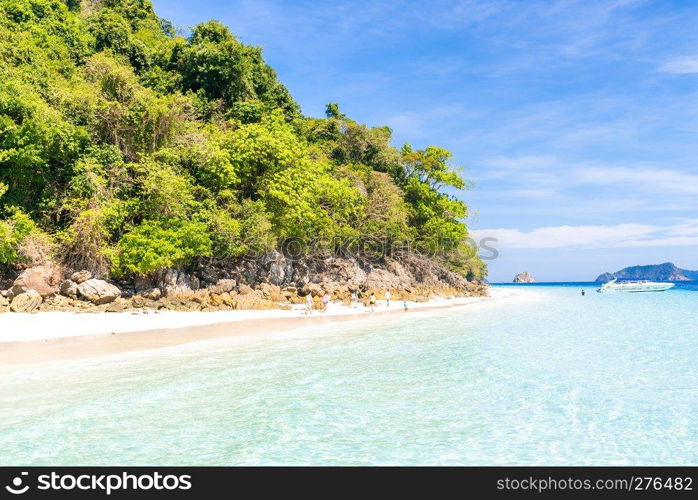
{"type": "Point", "coordinates": [576, 120]}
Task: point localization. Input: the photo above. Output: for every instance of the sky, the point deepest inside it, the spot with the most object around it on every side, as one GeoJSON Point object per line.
{"type": "Point", "coordinates": [576, 121]}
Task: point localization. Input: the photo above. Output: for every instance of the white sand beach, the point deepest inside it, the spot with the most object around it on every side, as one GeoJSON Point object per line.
{"type": "Point", "coordinates": [45, 336]}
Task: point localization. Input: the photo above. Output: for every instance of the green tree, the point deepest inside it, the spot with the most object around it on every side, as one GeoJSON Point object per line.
{"type": "Point", "coordinates": [156, 245]}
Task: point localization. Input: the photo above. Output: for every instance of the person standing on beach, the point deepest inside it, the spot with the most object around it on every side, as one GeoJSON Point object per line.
{"type": "Point", "coordinates": [372, 301]}
{"type": "Point", "coordinates": [354, 298]}
{"type": "Point", "coordinates": [309, 303]}
{"type": "Point", "coordinates": [325, 301]}
{"type": "Point", "coordinates": [387, 298]}
{"type": "Point", "coordinates": [404, 305]}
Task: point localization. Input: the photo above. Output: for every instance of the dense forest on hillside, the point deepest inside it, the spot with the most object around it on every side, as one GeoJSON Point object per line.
{"type": "Point", "coordinates": [126, 149]}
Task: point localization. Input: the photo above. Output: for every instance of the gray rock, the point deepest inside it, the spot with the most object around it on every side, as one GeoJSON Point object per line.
{"type": "Point", "coordinates": [98, 291]}
{"type": "Point", "coordinates": [277, 273]}
{"type": "Point", "coordinates": [81, 276]}
{"type": "Point", "coordinates": [26, 302]}
{"type": "Point", "coordinates": [301, 275]}
{"type": "Point", "coordinates": [69, 288]}
{"type": "Point", "coordinates": [176, 281]}
{"type": "Point", "coordinates": [524, 277]}
{"type": "Point", "coordinates": [224, 285]}
{"type": "Point", "coordinates": [143, 283]}
{"type": "Point", "coordinates": [208, 275]}
{"type": "Point", "coordinates": [275, 267]}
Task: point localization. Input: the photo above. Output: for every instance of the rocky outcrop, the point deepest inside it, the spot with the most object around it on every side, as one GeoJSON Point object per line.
{"type": "Point", "coordinates": [272, 281]}
{"type": "Point", "coordinates": [659, 272]}
{"type": "Point", "coordinates": [524, 277]}
{"type": "Point", "coordinates": [176, 281]}
{"type": "Point", "coordinates": [98, 291]}
{"type": "Point", "coordinates": [26, 302]}
{"type": "Point", "coordinates": [44, 280]}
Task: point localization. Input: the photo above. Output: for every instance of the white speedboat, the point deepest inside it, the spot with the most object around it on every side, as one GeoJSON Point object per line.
{"type": "Point", "coordinates": [634, 286]}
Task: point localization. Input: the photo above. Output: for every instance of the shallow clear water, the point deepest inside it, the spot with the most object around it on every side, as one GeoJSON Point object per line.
{"type": "Point", "coordinates": [566, 380]}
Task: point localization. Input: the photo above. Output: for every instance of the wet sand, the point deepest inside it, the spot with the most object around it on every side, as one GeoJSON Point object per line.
{"type": "Point", "coordinates": [89, 346]}
{"type": "Point", "coordinates": [14, 353]}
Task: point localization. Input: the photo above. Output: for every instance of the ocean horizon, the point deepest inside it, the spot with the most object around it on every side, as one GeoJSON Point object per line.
{"type": "Point", "coordinates": [552, 378]}
{"type": "Point", "coordinates": [679, 285]}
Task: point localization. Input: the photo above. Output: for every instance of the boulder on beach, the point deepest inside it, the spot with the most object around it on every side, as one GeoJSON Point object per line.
{"type": "Point", "coordinates": [223, 286]}
{"type": "Point", "coordinates": [26, 302]}
{"type": "Point", "coordinates": [98, 291]}
{"type": "Point", "coordinates": [43, 279]}
{"type": "Point", "coordinates": [68, 288]}
{"type": "Point", "coordinates": [152, 294]}
{"type": "Point", "coordinates": [524, 277]}
{"type": "Point", "coordinates": [81, 276]}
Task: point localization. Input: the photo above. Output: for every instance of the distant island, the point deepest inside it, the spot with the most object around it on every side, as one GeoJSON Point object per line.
{"type": "Point", "coordinates": [657, 272]}
{"type": "Point", "coordinates": [524, 277]}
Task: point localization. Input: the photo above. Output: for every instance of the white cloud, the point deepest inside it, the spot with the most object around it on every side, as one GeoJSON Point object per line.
{"type": "Point", "coordinates": [553, 175]}
{"type": "Point", "coordinates": [680, 66]}
{"type": "Point", "coordinates": [646, 179]}
{"type": "Point", "coordinates": [622, 235]}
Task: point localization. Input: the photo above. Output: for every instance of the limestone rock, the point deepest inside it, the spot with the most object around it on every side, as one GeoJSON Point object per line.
{"type": "Point", "coordinates": [524, 277]}
{"type": "Point", "coordinates": [223, 286]}
{"type": "Point", "coordinates": [81, 276]}
{"type": "Point", "coordinates": [43, 279]}
{"type": "Point", "coordinates": [245, 290]}
{"type": "Point", "coordinates": [312, 288]}
{"type": "Point", "coordinates": [152, 294]}
{"type": "Point", "coordinates": [98, 291]}
{"type": "Point", "coordinates": [26, 302]}
{"type": "Point", "coordinates": [275, 266]}
{"type": "Point", "coordinates": [118, 305]}
{"type": "Point", "coordinates": [69, 288]}
{"type": "Point", "coordinates": [173, 282]}
{"type": "Point", "coordinates": [271, 292]}
{"type": "Point", "coordinates": [208, 275]}
{"type": "Point", "coordinates": [253, 301]}
{"type": "Point", "coordinates": [224, 299]}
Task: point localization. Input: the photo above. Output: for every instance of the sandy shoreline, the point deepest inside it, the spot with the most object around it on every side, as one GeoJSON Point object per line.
{"type": "Point", "coordinates": [42, 337]}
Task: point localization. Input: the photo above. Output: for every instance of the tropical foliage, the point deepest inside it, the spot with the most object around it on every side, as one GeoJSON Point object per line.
{"type": "Point", "coordinates": [126, 148]}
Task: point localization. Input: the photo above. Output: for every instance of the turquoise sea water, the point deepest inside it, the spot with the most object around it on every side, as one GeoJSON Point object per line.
{"type": "Point", "coordinates": [562, 380]}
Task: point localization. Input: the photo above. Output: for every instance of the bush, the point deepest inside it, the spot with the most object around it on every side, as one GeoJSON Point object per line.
{"type": "Point", "coordinates": [22, 242]}
{"type": "Point", "coordinates": [156, 245]}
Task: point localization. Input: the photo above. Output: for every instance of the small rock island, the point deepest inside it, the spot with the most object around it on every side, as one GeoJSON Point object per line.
{"type": "Point", "coordinates": [524, 277]}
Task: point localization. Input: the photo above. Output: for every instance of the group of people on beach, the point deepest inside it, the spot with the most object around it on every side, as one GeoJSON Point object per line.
{"type": "Point", "coordinates": [355, 301]}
